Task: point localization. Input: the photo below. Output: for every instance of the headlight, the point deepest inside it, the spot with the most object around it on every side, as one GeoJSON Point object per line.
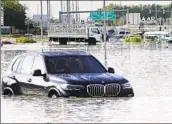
{"type": "Point", "coordinates": [126, 86]}
{"type": "Point", "coordinates": [71, 87]}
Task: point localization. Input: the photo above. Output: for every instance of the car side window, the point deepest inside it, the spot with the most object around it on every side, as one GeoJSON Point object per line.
{"type": "Point", "coordinates": [95, 30]}
{"type": "Point", "coordinates": [27, 64]}
{"type": "Point", "coordinates": [38, 64]}
{"type": "Point", "coordinates": [16, 63]}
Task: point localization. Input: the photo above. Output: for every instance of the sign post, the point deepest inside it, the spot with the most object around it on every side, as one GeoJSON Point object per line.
{"type": "Point", "coordinates": [0, 39]}
{"type": "Point", "coordinates": [104, 4]}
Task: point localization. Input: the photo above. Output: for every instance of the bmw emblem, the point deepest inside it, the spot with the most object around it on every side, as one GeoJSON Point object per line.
{"type": "Point", "coordinates": [103, 82]}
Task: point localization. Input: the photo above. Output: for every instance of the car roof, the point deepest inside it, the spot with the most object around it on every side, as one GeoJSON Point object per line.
{"type": "Point", "coordinates": [59, 53]}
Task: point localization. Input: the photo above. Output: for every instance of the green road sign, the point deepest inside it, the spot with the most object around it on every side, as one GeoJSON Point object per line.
{"type": "Point", "coordinates": [100, 16]}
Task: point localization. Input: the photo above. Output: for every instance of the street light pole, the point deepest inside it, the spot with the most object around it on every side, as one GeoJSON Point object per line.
{"type": "Point", "coordinates": [104, 4]}
{"type": "Point", "coordinates": [41, 23]}
{"type": "Point", "coordinates": [0, 23]}
{"type": "Point", "coordinates": [127, 18]}
{"type": "Point", "coordinates": [171, 15]}
{"type": "Point", "coordinates": [0, 39]}
{"type": "Point", "coordinates": [156, 16]}
{"type": "Point", "coordinates": [48, 15]}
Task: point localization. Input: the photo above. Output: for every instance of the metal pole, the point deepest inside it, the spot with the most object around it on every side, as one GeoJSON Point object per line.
{"type": "Point", "coordinates": [76, 15]}
{"type": "Point", "coordinates": [28, 25]}
{"type": "Point", "coordinates": [171, 16]}
{"type": "Point", "coordinates": [127, 17]}
{"type": "Point", "coordinates": [0, 40]}
{"type": "Point", "coordinates": [41, 23]}
{"type": "Point", "coordinates": [0, 21]}
{"type": "Point", "coordinates": [68, 9]}
{"type": "Point", "coordinates": [156, 16]}
{"type": "Point", "coordinates": [61, 5]}
{"type": "Point", "coordinates": [48, 9]}
{"type": "Point", "coordinates": [48, 18]}
{"type": "Point", "coordinates": [60, 18]}
{"type": "Point", "coordinates": [104, 4]}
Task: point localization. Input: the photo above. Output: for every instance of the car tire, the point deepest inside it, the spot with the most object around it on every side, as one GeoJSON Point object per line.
{"type": "Point", "coordinates": [53, 94]}
{"type": "Point", "coordinates": [7, 91]}
{"type": "Point", "coordinates": [91, 41]}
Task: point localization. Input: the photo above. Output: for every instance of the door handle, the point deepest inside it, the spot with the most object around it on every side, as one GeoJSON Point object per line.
{"type": "Point", "coordinates": [29, 80]}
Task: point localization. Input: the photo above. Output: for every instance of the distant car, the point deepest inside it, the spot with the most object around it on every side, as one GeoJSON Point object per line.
{"type": "Point", "coordinates": [63, 74]}
{"type": "Point", "coordinates": [28, 35]}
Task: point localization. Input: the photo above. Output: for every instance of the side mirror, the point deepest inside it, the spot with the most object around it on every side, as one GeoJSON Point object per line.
{"type": "Point", "coordinates": [37, 72]}
{"type": "Point", "coordinates": [111, 70]}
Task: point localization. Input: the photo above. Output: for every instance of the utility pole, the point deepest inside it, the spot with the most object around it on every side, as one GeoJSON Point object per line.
{"type": "Point", "coordinates": [171, 16]}
{"type": "Point", "coordinates": [68, 14]}
{"type": "Point", "coordinates": [0, 24]}
{"type": "Point", "coordinates": [156, 16]}
{"type": "Point", "coordinates": [104, 4]}
{"type": "Point", "coordinates": [127, 18]}
{"type": "Point", "coordinates": [0, 38]}
{"type": "Point", "coordinates": [48, 15]}
{"type": "Point", "coordinates": [61, 5]}
{"type": "Point", "coordinates": [41, 23]}
{"type": "Point", "coordinates": [76, 15]}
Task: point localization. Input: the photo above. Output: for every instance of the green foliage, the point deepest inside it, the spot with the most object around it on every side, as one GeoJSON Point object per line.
{"type": "Point", "coordinates": [38, 31]}
{"type": "Point", "coordinates": [23, 39]}
{"type": "Point", "coordinates": [133, 39]}
{"type": "Point", "coordinates": [14, 14]}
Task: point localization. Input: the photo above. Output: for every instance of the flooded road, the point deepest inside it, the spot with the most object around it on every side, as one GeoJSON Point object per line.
{"type": "Point", "coordinates": [148, 67]}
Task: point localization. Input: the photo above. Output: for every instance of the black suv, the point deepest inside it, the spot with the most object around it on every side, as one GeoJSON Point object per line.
{"type": "Point", "coordinates": [58, 74]}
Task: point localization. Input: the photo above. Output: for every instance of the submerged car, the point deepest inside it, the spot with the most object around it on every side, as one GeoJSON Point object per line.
{"type": "Point", "coordinates": [63, 74]}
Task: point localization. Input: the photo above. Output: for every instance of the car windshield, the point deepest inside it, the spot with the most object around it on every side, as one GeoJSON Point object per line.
{"type": "Point", "coordinates": [73, 64]}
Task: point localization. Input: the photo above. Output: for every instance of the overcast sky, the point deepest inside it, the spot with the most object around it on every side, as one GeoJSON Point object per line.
{"type": "Point", "coordinates": [34, 6]}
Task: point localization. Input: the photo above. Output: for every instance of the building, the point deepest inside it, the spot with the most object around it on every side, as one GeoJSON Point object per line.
{"type": "Point", "coordinates": [37, 20]}
{"type": "Point", "coordinates": [133, 18]}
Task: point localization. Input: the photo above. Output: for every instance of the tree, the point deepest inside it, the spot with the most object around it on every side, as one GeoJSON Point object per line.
{"type": "Point", "coordinates": [14, 14]}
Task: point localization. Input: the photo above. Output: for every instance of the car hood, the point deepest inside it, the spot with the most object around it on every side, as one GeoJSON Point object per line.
{"type": "Point", "coordinates": [98, 78]}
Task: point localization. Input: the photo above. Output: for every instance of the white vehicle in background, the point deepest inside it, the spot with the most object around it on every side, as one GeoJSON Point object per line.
{"type": "Point", "coordinates": [158, 36]}
{"type": "Point", "coordinates": [64, 33]}
{"type": "Point", "coordinates": [167, 38]}
{"type": "Point", "coordinates": [118, 33]}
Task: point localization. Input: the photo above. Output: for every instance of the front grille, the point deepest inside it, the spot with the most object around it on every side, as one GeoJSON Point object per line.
{"type": "Point", "coordinates": [95, 90]}
{"type": "Point", "coordinates": [98, 90]}
{"type": "Point", "coordinates": [112, 89]}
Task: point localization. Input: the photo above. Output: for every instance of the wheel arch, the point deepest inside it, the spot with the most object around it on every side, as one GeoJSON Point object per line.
{"type": "Point", "coordinates": [8, 90]}
{"type": "Point", "coordinates": [53, 90]}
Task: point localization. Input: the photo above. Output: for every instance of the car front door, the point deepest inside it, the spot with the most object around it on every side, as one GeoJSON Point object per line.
{"type": "Point", "coordinates": [23, 73]}
{"type": "Point", "coordinates": [38, 84]}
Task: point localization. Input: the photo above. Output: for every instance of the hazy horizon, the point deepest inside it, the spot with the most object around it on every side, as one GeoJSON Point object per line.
{"type": "Point", "coordinates": [34, 6]}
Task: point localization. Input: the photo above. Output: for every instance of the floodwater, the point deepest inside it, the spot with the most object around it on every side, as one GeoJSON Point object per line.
{"type": "Point", "coordinates": [148, 67]}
